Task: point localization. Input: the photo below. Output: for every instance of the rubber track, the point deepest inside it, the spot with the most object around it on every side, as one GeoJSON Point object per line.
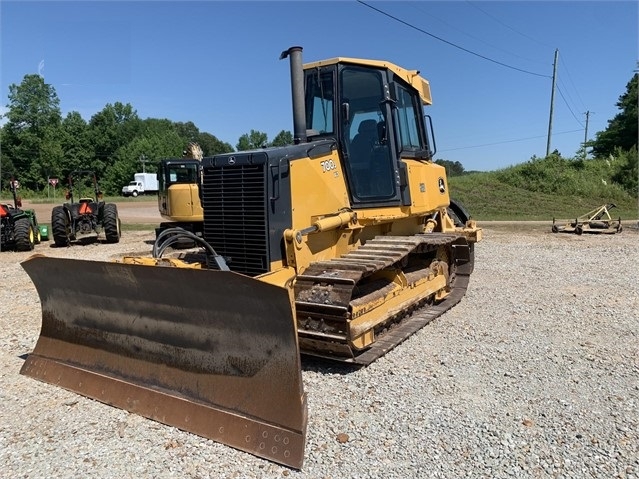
{"type": "Point", "coordinates": [377, 254]}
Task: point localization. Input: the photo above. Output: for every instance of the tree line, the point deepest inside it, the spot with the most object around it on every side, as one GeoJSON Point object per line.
{"type": "Point", "coordinates": [37, 143]}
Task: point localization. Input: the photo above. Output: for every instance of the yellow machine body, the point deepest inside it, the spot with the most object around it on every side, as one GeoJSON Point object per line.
{"type": "Point", "coordinates": [180, 203]}
{"type": "Point", "coordinates": [178, 192]}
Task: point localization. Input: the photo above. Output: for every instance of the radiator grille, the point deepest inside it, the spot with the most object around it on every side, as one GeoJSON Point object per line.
{"type": "Point", "coordinates": [235, 223]}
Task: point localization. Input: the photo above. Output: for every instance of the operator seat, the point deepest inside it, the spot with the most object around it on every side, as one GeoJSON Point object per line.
{"type": "Point", "coordinates": [361, 157]}
{"type": "Point", "coordinates": [363, 142]}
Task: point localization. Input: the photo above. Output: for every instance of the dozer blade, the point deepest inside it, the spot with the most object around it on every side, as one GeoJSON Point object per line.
{"type": "Point", "coordinates": [214, 353]}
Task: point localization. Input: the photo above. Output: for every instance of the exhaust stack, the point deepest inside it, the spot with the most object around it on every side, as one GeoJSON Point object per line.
{"type": "Point", "coordinates": [297, 90]}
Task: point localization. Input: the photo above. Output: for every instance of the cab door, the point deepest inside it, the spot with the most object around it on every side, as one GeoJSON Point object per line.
{"type": "Point", "coordinates": [371, 162]}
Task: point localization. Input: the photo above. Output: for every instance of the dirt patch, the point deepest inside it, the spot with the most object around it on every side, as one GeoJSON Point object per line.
{"type": "Point", "coordinates": [130, 212]}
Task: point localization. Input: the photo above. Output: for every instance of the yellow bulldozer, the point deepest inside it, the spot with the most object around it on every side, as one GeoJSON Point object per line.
{"type": "Point", "coordinates": [340, 245]}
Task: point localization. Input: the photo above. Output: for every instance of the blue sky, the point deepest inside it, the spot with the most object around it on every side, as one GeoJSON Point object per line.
{"type": "Point", "coordinates": [216, 63]}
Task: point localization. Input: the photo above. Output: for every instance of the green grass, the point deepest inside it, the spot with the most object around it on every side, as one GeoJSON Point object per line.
{"type": "Point", "coordinates": [139, 226]}
{"type": "Point", "coordinates": [107, 199]}
{"type": "Point", "coordinates": [486, 198]}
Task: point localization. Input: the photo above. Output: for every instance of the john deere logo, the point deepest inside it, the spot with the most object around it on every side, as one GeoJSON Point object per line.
{"type": "Point", "coordinates": [232, 160]}
{"type": "Point", "coordinates": [442, 185]}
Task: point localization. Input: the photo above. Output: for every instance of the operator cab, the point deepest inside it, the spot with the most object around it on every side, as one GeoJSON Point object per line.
{"type": "Point", "coordinates": [184, 172]}
{"type": "Point", "coordinates": [373, 110]}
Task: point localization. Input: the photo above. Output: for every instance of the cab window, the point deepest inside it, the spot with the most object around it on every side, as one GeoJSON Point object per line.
{"type": "Point", "coordinates": [183, 174]}
{"type": "Point", "coordinates": [409, 115]}
{"type": "Point", "coordinates": [319, 102]}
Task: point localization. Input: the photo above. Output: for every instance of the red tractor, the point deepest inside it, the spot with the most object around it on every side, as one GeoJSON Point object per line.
{"type": "Point", "coordinates": [87, 215]}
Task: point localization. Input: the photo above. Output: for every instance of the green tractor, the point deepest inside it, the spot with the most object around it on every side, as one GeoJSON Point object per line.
{"type": "Point", "coordinates": [87, 215]}
{"type": "Point", "coordinates": [19, 229]}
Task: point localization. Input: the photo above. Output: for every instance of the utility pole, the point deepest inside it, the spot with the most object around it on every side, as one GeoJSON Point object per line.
{"type": "Point", "coordinates": [143, 160]}
{"type": "Point", "coordinates": [586, 134]}
{"type": "Point", "coordinates": [552, 99]}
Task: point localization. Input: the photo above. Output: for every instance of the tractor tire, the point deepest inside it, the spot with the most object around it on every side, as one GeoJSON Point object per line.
{"type": "Point", "coordinates": [112, 230]}
{"type": "Point", "coordinates": [24, 235]}
{"type": "Point", "coordinates": [60, 226]}
{"type": "Point", "coordinates": [34, 225]}
{"type": "Point", "coordinates": [37, 233]}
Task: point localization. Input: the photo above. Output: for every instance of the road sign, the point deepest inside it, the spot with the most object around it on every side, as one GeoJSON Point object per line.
{"type": "Point", "coordinates": [53, 181]}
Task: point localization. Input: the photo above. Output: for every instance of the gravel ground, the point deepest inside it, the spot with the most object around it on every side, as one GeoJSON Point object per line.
{"type": "Point", "coordinates": [534, 374]}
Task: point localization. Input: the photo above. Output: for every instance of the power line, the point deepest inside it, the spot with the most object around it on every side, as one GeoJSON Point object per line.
{"type": "Point", "coordinates": [554, 76]}
{"type": "Point", "coordinates": [453, 27]}
{"type": "Point", "coordinates": [561, 59]}
{"type": "Point", "coordinates": [570, 109]}
{"type": "Point", "coordinates": [507, 141]}
{"type": "Point", "coordinates": [450, 43]}
{"type": "Point", "coordinates": [567, 93]}
{"type": "Point", "coordinates": [506, 25]}
{"type": "Point", "coordinates": [573, 84]}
